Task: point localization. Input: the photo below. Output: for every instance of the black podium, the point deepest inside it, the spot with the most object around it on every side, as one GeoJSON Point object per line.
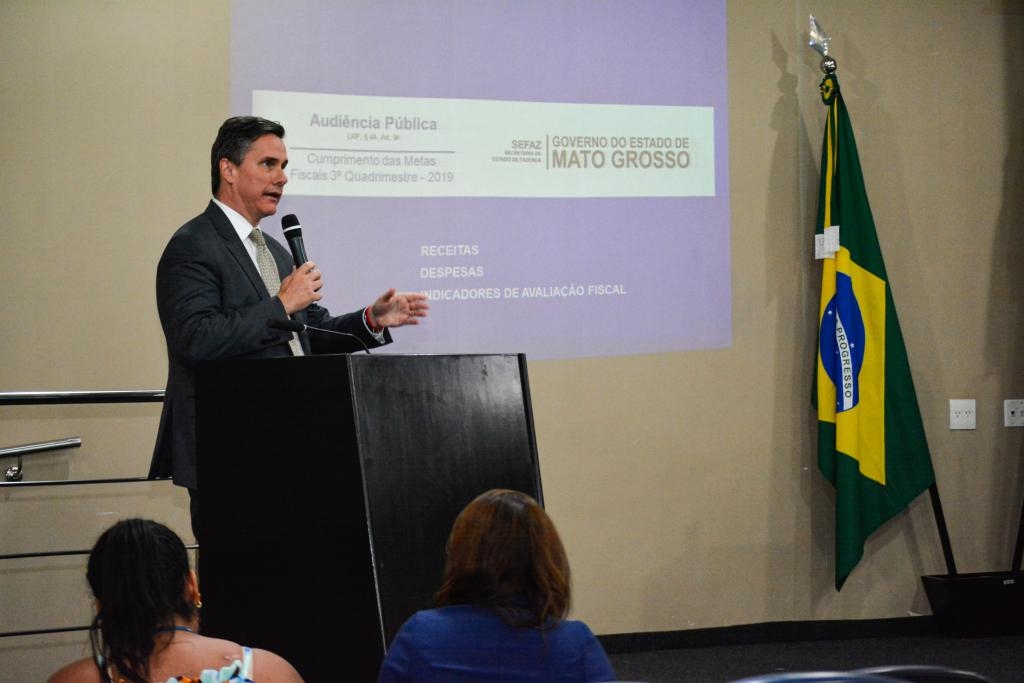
{"type": "Point", "coordinates": [328, 486]}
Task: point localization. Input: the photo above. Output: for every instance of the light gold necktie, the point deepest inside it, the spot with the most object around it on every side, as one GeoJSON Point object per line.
{"type": "Point", "coordinates": [268, 270]}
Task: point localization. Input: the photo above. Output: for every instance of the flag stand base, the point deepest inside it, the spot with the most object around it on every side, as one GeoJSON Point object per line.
{"type": "Point", "coordinates": [974, 605]}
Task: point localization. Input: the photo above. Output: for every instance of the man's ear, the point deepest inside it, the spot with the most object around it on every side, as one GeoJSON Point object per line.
{"type": "Point", "coordinates": [227, 170]}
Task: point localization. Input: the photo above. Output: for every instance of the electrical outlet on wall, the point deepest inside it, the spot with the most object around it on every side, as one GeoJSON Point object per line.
{"type": "Point", "coordinates": [962, 414]}
{"type": "Point", "coordinates": [1013, 412]}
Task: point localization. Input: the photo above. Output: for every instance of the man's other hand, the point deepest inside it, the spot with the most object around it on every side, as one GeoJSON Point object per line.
{"type": "Point", "coordinates": [394, 309]}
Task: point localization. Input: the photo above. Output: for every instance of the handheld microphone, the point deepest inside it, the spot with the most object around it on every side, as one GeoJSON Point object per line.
{"type": "Point", "coordinates": [293, 233]}
{"type": "Point", "coordinates": [289, 325]}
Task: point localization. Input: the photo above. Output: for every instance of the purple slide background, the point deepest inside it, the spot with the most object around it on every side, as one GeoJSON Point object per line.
{"type": "Point", "coordinates": [671, 254]}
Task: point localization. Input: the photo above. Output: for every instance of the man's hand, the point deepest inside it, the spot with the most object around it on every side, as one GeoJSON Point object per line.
{"type": "Point", "coordinates": [301, 288]}
{"type": "Point", "coordinates": [394, 309]}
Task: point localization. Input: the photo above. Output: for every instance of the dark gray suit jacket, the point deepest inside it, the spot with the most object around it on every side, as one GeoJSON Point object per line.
{"type": "Point", "coordinates": [213, 304]}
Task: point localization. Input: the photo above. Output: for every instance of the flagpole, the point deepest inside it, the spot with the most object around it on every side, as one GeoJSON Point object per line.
{"type": "Point", "coordinates": [940, 521]}
{"type": "Point", "coordinates": [1018, 551]}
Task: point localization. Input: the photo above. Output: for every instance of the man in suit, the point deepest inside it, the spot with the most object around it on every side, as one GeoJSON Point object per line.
{"type": "Point", "coordinates": [214, 301]}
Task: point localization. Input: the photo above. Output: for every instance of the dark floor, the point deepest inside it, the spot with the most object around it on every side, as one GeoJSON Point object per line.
{"type": "Point", "coordinates": [1000, 659]}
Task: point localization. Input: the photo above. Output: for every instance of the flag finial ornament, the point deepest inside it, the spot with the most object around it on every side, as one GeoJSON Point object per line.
{"type": "Point", "coordinates": [821, 42]}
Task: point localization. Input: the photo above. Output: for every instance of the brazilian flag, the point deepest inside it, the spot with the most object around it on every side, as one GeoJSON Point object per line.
{"type": "Point", "coordinates": [871, 441]}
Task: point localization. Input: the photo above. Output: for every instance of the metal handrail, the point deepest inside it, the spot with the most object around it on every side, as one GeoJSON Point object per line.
{"type": "Point", "coordinates": [65, 553]}
{"type": "Point", "coordinates": [40, 447]}
{"type": "Point", "coordinates": [42, 631]}
{"type": "Point", "coordinates": [26, 398]}
{"type": "Point", "coordinates": [52, 553]}
{"type": "Point", "coordinates": [15, 472]}
{"type": "Point", "coordinates": [75, 482]}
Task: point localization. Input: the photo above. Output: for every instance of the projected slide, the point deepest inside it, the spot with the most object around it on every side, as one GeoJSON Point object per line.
{"type": "Point", "coordinates": [417, 147]}
{"type": "Point", "coordinates": [552, 174]}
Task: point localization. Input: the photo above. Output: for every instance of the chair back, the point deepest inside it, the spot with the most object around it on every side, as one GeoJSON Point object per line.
{"type": "Point", "coordinates": [917, 673]}
{"type": "Point", "coordinates": [816, 677]}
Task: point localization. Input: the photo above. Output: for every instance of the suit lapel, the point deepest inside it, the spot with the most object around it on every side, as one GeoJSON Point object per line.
{"type": "Point", "coordinates": [235, 247]}
{"type": "Point", "coordinates": [237, 250]}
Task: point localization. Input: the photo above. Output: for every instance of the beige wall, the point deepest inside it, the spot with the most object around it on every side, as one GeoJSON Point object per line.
{"type": "Point", "coordinates": [684, 484]}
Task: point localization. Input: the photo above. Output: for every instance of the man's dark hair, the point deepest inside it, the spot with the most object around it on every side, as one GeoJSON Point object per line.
{"type": "Point", "coordinates": [234, 139]}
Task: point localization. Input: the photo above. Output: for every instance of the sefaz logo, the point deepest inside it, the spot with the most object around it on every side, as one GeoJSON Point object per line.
{"type": "Point", "coordinates": [842, 343]}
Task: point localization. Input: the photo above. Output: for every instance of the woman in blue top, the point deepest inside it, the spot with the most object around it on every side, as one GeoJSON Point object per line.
{"type": "Point", "coordinates": [501, 607]}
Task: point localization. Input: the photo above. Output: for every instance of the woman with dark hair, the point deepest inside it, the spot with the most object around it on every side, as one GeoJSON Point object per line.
{"type": "Point", "coordinates": [501, 608]}
{"type": "Point", "coordinates": [147, 615]}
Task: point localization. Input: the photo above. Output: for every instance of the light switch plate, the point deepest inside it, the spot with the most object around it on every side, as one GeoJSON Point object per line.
{"type": "Point", "coordinates": [962, 414]}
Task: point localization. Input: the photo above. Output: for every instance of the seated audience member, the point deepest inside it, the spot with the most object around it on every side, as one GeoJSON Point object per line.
{"type": "Point", "coordinates": [147, 614]}
{"type": "Point", "coordinates": [501, 607]}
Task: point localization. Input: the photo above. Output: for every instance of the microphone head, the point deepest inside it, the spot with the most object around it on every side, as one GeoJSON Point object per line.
{"type": "Point", "coordinates": [290, 225]}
